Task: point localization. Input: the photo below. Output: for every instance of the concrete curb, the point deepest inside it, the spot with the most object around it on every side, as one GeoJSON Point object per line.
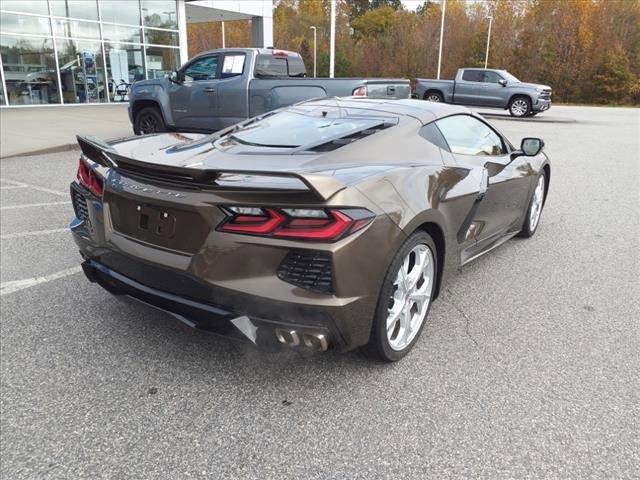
{"type": "Point", "coordinates": [43, 151]}
{"type": "Point", "coordinates": [502, 116]}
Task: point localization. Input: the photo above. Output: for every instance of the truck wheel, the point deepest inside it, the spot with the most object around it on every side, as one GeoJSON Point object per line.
{"type": "Point", "coordinates": [148, 120]}
{"type": "Point", "coordinates": [433, 96]}
{"type": "Point", "coordinates": [520, 107]}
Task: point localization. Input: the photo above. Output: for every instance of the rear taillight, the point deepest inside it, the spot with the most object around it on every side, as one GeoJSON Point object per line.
{"type": "Point", "coordinates": [321, 225]}
{"type": "Point", "coordinates": [360, 92]}
{"type": "Point", "coordinates": [88, 179]}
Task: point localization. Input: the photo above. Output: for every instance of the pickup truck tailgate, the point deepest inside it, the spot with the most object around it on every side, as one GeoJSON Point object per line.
{"type": "Point", "coordinates": [391, 88]}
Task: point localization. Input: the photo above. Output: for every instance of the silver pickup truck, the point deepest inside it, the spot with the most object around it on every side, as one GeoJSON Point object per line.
{"type": "Point", "coordinates": [487, 88]}
{"type": "Point", "coordinates": [222, 87]}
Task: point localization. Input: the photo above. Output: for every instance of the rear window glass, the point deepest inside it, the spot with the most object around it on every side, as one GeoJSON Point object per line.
{"type": "Point", "coordinates": [296, 128]}
{"type": "Point", "coordinates": [472, 75]}
{"type": "Point", "coordinates": [271, 66]}
{"type": "Point", "coordinates": [296, 67]}
{"type": "Point", "coordinates": [276, 66]}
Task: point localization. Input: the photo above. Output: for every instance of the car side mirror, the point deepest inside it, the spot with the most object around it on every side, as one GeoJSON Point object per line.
{"type": "Point", "coordinates": [531, 147]}
{"type": "Point", "coordinates": [176, 77]}
{"type": "Point", "coordinates": [502, 82]}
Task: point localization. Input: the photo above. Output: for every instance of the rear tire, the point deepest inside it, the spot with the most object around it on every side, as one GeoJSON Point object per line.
{"type": "Point", "coordinates": [532, 218]}
{"type": "Point", "coordinates": [433, 96]}
{"type": "Point", "coordinates": [404, 300]}
{"type": "Point", "coordinates": [520, 107]}
{"type": "Point", "coordinates": [148, 120]}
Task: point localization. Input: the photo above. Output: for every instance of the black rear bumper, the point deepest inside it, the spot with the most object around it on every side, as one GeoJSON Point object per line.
{"type": "Point", "coordinates": [198, 314]}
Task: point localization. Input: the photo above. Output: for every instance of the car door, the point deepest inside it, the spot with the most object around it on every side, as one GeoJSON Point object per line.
{"type": "Point", "coordinates": [466, 89]}
{"type": "Point", "coordinates": [232, 89]}
{"type": "Point", "coordinates": [490, 91]}
{"type": "Point", "coordinates": [194, 99]}
{"type": "Point", "coordinates": [472, 143]}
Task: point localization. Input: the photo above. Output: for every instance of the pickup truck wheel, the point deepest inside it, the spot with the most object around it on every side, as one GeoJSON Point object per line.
{"type": "Point", "coordinates": [148, 120]}
{"type": "Point", "coordinates": [520, 107]}
{"type": "Point", "coordinates": [433, 96]}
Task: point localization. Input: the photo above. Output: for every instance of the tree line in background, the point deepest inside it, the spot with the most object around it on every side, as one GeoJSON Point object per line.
{"type": "Point", "coordinates": [588, 51]}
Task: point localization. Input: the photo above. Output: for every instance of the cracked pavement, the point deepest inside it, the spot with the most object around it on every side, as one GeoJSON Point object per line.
{"type": "Point", "coordinates": [527, 368]}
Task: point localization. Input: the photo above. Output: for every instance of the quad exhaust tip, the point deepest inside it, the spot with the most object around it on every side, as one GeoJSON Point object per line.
{"type": "Point", "coordinates": [293, 338]}
{"type": "Point", "coordinates": [288, 337]}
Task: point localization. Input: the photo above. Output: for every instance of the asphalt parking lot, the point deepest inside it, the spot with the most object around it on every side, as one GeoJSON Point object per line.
{"type": "Point", "coordinates": [528, 366]}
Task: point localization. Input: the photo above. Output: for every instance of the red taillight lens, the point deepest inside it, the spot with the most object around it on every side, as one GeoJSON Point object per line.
{"type": "Point", "coordinates": [88, 179]}
{"type": "Point", "coordinates": [314, 229]}
{"type": "Point", "coordinates": [302, 224]}
{"type": "Point", "coordinates": [256, 224]}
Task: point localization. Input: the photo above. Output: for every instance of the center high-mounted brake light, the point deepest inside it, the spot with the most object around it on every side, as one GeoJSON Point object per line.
{"type": "Point", "coordinates": [320, 225]}
{"type": "Point", "coordinates": [88, 179]}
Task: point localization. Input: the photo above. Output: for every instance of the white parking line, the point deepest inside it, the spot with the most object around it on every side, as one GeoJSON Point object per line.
{"type": "Point", "coordinates": [34, 187]}
{"type": "Point", "coordinates": [13, 187]}
{"type": "Point", "coordinates": [17, 285]}
{"type": "Point", "coordinates": [33, 234]}
{"type": "Point", "coordinates": [32, 205]}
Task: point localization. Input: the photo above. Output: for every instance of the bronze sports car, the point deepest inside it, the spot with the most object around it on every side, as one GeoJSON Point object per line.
{"type": "Point", "coordinates": [328, 224]}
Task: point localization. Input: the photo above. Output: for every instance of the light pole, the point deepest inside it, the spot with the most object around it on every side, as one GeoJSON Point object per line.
{"type": "Point", "coordinates": [224, 43]}
{"type": "Point", "coordinates": [314, 49]}
{"type": "Point", "coordinates": [332, 40]}
{"type": "Point", "coordinates": [486, 55]}
{"type": "Point", "coordinates": [444, 6]}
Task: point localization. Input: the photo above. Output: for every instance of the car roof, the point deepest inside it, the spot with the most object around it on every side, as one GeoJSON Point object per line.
{"type": "Point", "coordinates": [421, 110]}
{"type": "Point", "coordinates": [259, 51]}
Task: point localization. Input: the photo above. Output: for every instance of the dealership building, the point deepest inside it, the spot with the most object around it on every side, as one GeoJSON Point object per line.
{"type": "Point", "coordinates": [64, 52]}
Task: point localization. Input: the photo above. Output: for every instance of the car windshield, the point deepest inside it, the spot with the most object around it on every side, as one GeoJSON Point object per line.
{"type": "Point", "coordinates": [508, 77]}
{"type": "Point", "coordinates": [299, 127]}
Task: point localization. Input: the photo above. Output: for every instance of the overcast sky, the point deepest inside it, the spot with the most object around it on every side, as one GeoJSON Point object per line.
{"type": "Point", "coordinates": [412, 4]}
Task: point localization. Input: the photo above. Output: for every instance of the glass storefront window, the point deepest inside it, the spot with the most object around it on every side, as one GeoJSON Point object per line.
{"type": "Point", "coordinates": [159, 13]}
{"type": "Point", "coordinates": [39, 7]}
{"type": "Point", "coordinates": [161, 37]}
{"type": "Point", "coordinates": [75, 28]}
{"type": "Point", "coordinates": [120, 11]}
{"type": "Point", "coordinates": [161, 61]}
{"type": "Point", "coordinates": [81, 71]}
{"type": "Point", "coordinates": [86, 9]}
{"type": "Point", "coordinates": [15, 23]}
{"type": "Point", "coordinates": [116, 33]}
{"type": "Point", "coordinates": [125, 65]}
{"type": "Point", "coordinates": [29, 70]}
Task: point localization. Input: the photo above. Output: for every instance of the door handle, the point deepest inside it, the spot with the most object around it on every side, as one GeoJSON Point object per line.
{"type": "Point", "coordinates": [209, 90]}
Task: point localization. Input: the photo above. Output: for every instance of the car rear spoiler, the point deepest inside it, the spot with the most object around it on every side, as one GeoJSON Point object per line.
{"type": "Point", "coordinates": [322, 186]}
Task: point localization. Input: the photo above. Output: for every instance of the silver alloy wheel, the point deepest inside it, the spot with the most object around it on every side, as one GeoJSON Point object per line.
{"type": "Point", "coordinates": [410, 298]}
{"type": "Point", "coordinates": [433, 98]}
{"type": "Point", "coordinates": [519, 107]}
{"type": "Point", "coordinates": [536, 204]}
